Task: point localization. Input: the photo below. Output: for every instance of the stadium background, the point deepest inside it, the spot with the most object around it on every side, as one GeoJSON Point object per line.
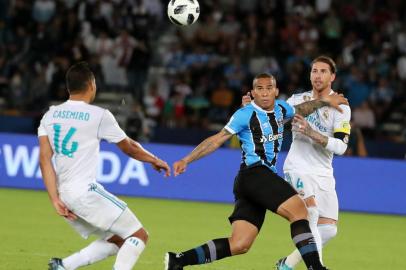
{"type": "Point", "coordinates": [178, 85]}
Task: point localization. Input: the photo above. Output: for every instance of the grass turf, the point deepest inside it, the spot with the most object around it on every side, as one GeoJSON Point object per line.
{"type": "Point", "coordinates": [31, 233]}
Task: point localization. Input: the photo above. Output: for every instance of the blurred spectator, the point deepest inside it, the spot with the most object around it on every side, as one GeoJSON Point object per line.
{"type": "Point", "coordinates": [153, 103]}
{"type": "Point", "coordinates": [356, 143]}
{"type": "Point", "coordinates": [221, 99]}
{"type": "Point", "coordinates": [43, 10]}
{"type": "Point", "coordinates": [357, 89]}
{"type": "Point", "coordinates": [381, 98]}
{"type": "Point", "coordinates": [137, 69]}
{"type": "Point", "coordinates": [364, 117]}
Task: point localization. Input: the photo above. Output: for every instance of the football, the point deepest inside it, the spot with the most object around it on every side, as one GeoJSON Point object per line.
{"type": "Point", "coordinates": [183, 12]}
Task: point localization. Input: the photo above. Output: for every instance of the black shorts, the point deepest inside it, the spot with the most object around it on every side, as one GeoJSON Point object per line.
{"type": "Point", "coordinates": [256, 190]}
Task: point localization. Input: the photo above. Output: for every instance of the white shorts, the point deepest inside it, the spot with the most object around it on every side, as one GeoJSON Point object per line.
{"type": "Point", "coordinates": [321, 187]}
{"type": "Point", "coordinates": [101, 213]}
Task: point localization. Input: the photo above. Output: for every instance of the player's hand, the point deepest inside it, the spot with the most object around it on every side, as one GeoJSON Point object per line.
{"type": "Point", "coordinates": [300, 124]}
{"type": "Point", "coordinates": [335, 100]}
{"type": "Point", "coordinates": [62, 210]}
{"type": "Point", "coordinates": [246, 99]}
{"type": "Point", "coordinates": [179, 167]}
{"type": "Point", "coordinates": [160, 165]}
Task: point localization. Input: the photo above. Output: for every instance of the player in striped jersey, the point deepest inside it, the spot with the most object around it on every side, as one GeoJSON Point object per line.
{"type": "Point", "coordinates": [71, 133]}
{"type": "Point", "coordinates": [257, 187]}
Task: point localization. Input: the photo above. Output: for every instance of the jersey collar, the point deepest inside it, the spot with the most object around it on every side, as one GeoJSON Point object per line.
{"type": "Point", "coordinates": [312, 93]}
{"type": "Point", "coordinates": [259, 108]}
{"type": "Point", "coordinates": [69, 101]}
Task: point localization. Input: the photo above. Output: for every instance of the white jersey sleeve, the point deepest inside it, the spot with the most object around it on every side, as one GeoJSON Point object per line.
{"type": "Point", "coordinates": [41, 129]}
{"type": "Point", "coordinates": [291, 101]}
{"type": "Point", "coordinates": [109, 129]}
{"type": "Point", "coordinates": [342, 120]}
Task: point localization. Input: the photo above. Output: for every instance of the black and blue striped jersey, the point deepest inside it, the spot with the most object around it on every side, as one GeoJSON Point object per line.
{"type": "Point", "coordinates": [260, 132]}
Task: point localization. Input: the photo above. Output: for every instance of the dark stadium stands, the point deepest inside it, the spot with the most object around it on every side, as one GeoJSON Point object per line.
{"type": "Point", "coordinates": [157, 77]}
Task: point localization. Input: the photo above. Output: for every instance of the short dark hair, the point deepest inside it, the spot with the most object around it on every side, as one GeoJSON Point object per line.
{"type": "Point", "coordinates": [263, 75]}
{"type": "Point", "coordinates": [327, 60]}
{"type": "Point", "coordinates": [78, 77]}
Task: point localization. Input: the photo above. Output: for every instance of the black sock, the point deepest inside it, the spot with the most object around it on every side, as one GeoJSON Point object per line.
{"type": "Point", "coordinates": [305, 243]}
{"type": "Point", "coordinates": [213, 250]}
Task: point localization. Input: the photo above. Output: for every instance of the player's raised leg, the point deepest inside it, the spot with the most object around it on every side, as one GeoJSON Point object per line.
{"type": "Point", "coordinates": [96, 251]}
{"type": "Point", "coordinates": [242, 237]}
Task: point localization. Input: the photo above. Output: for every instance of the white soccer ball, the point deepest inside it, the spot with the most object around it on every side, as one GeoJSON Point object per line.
{"type": "Point", "coordinates": [183, 12]}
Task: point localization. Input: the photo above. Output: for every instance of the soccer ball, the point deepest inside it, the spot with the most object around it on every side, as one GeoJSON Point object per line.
{"type": "Point", "coordinates": [183, 12]}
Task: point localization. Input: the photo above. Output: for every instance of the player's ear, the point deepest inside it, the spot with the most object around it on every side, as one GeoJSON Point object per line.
{"type": "Point", "coordinates": [276, 91]}
{"type": "Point", "coordinates": [251, 93]}
{"type": "Point", "coordinates": [333, 77]}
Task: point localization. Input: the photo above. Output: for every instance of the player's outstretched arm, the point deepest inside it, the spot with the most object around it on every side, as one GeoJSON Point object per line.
{"type": "Point", "coordinates": [335, 100]}
{"type": "Point", "coordinates": [206, 147]}
{"type": "Point", "coordinates": [134, 150]}
{"type": "Point", "coordinates": [49, 177]}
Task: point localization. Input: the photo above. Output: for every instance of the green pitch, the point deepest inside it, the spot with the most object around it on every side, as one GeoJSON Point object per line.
{"type": "Point", "coordinates": [31, 233]}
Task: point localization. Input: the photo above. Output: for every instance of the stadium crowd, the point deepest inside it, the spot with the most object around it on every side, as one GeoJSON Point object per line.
{"type": "Point", "coordinates": [195, 76]}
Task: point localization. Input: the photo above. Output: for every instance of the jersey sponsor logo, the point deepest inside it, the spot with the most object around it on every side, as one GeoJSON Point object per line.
{"type": "Point", "coordinates": [315, 120]}
{"type": "Point", "coordinates": [271, 137]}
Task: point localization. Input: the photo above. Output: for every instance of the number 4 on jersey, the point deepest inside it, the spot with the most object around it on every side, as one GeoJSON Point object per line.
{"type": "Point", "coordinates": [65, 151]}
{"type": "Point", "coordinates": [299, 183]}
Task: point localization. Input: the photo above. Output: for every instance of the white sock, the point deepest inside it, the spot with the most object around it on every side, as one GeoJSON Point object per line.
{"type": "Point", "coordinates": [327, 232]}
{"type": "Point", "coordinates": [293, 259]}
{"type": "Point", "coordinates": [129, 253]}
{"type": "Point", "coordinates": [313, 216]}
{"type": "Point", "coordinates": [96, 251]}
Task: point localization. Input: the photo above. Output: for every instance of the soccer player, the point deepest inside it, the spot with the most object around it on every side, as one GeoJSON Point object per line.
{"type": "Point", "coordinates": [71, 133]}
{"type": "Point", "coordinates": [257, 187]}
{"type": "Point", "coordinates": [308, 166]}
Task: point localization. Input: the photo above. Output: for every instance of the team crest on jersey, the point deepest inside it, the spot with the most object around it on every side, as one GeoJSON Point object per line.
{"type": "Point", "coordinates": [325, 114]}
{"type": "Point", "coordinates": [307, 98]}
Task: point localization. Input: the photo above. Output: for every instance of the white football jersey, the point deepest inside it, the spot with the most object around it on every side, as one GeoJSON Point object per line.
{"type": "Point", "coordinates": [74, 130]}
{"type": "Point", "coordinates": [306, 156]}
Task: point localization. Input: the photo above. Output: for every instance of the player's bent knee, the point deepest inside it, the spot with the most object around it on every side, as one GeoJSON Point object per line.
{"type": "Point", "coordinates": [117, 240]}
{"type": "Point", "coordinates": [327, 232]}
{"type": "Point", "coordinates": [239, 247]}
{"type": "Point", "coordinates": [293, 209]}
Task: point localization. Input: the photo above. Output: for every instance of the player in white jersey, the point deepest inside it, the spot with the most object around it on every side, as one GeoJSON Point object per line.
{"type": "Point", "coordinates": [308, 166]}
{"type": "Point", "coordinates": [71, 133]}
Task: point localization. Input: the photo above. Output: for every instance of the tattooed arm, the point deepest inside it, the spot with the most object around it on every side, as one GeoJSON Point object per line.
{"type": "Point", "coordinates": [336, 144]}
{"type": "Point", "coordinates": [306, 108]}
{"type": "Point", "coordinates": [206, 147]}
